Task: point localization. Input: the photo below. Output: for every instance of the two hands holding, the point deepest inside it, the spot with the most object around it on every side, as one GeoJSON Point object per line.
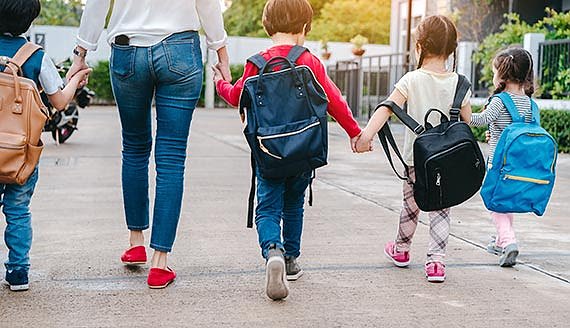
{"type": "Point", "coordinates": [362, 143]}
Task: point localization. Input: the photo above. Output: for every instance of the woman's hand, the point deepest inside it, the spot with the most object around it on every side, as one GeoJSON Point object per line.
{"type": "Point", "coordinates": [78, 65]}
{"type": "Point", "coordinates": [217, 74]}
{"type": "Point", "coordinates": [223, 64]}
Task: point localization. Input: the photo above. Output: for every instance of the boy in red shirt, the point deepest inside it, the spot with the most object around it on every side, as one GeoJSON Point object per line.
{"type": "Point", "coordinates": [287, 22]}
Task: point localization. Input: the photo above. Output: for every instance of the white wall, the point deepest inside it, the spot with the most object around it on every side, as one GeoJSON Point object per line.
{"type": "Point", "coordinates": [60, 40]}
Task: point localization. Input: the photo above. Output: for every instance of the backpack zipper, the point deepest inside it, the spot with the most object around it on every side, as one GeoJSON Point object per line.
{"type": "Point", "coordinates": [438, 184]}
{"type": "Point", "coordinates": [288, 134]}
{"type": "Point", "coordinates": [525, 179]}
{"type": "Point", "coordinates": [281, 135]}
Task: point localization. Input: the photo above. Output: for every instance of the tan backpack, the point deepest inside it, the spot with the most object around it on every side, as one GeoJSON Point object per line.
{"type": "Point", "coordinates": [22, 118]}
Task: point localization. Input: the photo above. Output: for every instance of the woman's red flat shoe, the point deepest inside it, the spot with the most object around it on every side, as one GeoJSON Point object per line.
{"type": "Point", "coordinates": [160, 278]}
{"type": "Point", "coordinates": [135, 255]}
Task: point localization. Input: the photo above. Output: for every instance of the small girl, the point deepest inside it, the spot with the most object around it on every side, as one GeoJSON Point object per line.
{"type": "Point", "coordinates": [513, 74]}
{"type": "Point", "coordinates": [432, 85]}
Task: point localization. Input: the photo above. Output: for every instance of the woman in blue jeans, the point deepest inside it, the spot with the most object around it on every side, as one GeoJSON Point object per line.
{"type": "Point", "coordinates": [155, 54]}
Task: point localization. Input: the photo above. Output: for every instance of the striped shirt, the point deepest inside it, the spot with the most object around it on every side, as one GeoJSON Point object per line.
{"type": "Point", "coordinates": [498, 118]}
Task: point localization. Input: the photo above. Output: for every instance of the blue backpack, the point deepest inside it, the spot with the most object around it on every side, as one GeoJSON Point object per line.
{"type": "Point", "coordinates": [286, 120]}
{"type": "Point", "coordinates": [521, 177]}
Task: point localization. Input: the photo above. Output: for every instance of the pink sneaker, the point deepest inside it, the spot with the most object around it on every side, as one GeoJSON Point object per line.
{"type": "Point", "coordinates": [435, 271]}
{"type": "Point", "coordinates": [400, 259]}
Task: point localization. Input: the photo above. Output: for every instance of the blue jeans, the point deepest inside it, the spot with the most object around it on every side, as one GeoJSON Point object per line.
{"type": "Point", "coordinates": [171, 71]}
{"type": "Point", "coordinates": [15, 202]}
{"type": "Point", "coordinates": [281, 199]}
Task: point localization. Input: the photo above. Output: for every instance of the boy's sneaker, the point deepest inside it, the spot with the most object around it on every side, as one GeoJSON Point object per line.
{"type": "Point", "coordinates": [17, 279]}
{"type": "Point", "coordinates": [509, 256]}
{"type": "Point", "coordinates": [400, 259]}
{"type": "Point", "coordinates": [493, 248]}
{"type": "Point", "coordinates": [275, 275]}
{"type": "Point", "coordinates": [435, 271]}
{"type": "Point", "coordinates": [293, 269]}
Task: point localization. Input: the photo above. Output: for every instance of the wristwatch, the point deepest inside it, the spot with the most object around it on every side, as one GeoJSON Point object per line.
{"type": "Point", "coordinates": [78, 53]}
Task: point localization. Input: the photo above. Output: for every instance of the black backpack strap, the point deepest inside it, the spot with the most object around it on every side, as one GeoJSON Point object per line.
{"type": "Point", "coordinates": [463, 85]}
{"type": "Point", "coordinates": [295, 53]}
{"type": "Point", "coordinates": [257, 60]}
{"type": "Point", "coordinates": [387, 141]}
{"type": "Point", "coordinates": [251, 200]}
{"type": "Point", "coordinates": [408, 121]}
{"type": "Point", "coordinates": [311, 188]}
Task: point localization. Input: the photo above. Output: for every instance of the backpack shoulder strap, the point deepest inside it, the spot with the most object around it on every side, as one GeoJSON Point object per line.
{"type": "Point", "coordinates": [511, 107]}
{"type": "Point", "coordinates": [257, 60]}
{"type": "Point", "coordinates": [463, 85]}
{"type": "Point", "coordinates": [24, 53]}
{"type": "Point", "coordinates": [295, 53]}
{"type": "Point", "coordinates": [408, 121]}
{"type": "Point", "coordinates": [535, 111]}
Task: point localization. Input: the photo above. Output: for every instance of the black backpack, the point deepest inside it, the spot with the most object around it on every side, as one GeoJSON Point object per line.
{"type": "Point", "coordinates": [286, 120]}
{"type": "Point", "coordinates": [448, 162]}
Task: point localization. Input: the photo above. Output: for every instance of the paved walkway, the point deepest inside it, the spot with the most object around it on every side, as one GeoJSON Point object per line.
{"type": "Point", "coordinates": [78, 281]}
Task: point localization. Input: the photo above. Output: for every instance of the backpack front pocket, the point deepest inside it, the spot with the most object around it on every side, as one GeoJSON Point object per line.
{"type": "Point", "coordinates": [12, 156]}
{"type": "Point", "coordinates": [293, 141]}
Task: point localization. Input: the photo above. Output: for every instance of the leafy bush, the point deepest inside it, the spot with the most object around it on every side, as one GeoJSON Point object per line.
{"type": "Point", "coordinates": [555, 26]}
{"type": "Point", "coordinates": [556, 122]}
{"type": "Point", "coordinates": [100, 82]}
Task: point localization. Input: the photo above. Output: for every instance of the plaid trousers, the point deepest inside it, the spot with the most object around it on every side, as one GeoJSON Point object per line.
{"type": "Point", "coordinates": [439, 222]}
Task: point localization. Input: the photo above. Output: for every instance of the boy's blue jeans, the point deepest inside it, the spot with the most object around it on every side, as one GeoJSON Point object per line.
{"type": "Point", "coordinates": [171, 72]}
{"type": "Point", "coordinates": [281, 200]}
{"type": "Point", "coordinates": [15, 202]}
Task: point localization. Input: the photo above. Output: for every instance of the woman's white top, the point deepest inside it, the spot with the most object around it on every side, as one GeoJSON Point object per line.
{"type": "Point", "coordinates": [147, 22]}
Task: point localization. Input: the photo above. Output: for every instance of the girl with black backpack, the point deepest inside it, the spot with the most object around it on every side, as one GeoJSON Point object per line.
{"type": "Point", "coordinates": [432, 85]}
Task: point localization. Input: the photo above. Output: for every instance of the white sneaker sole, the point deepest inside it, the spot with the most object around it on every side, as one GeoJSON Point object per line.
{"type": "Point", "coordinates": [17, 288]}
{"type": "Point", "coordinates": [436, 279]}
{"type": "Point", "coordinates": [294, 277]}
{"type": "Point", "coordinates": [275, 277]}
{"type": "Point", "coordinates": [396, 263]}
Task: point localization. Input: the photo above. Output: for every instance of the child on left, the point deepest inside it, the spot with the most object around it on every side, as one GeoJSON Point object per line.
{"type": "Point", "coordinates": [17, 17]}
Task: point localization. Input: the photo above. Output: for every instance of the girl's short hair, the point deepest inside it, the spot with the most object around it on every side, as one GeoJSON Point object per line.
{"type": "Point", "coordinates": [17, 15]}
{"type": "Point", "coordinates": [437, 37]}
{"type": "Point", "coordinates": [287, 16]}
{"type": "Point", "coordinates": [514, 65]}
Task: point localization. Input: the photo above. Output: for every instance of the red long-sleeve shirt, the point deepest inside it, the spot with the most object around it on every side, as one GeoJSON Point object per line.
{"type": "Point", "coordinates": [337, 107]}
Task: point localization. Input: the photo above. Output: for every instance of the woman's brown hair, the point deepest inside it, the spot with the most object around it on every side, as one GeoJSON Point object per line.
{"type": "Point", "coordinates": [287, 16]}
{"type": "Point", "coordinates": [436, 37]}
{"type": "Point", "coordinates": [514, 65]}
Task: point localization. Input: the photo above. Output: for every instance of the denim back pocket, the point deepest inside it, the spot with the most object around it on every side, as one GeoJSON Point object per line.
{"type": "Point", "coordinates": [184, 56]}
{"type": "Point", "coordinates": [122, 61]}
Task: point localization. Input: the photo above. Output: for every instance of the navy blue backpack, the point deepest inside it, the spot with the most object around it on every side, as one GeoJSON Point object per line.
{"type": "Point", "coordinates": [521, 177]}
{"type": "Point", "coordinates": [286, 120]}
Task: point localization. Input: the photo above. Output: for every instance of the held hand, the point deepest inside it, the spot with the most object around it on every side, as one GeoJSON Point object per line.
{"type": "Point", "coordinates": [364, 143]}
{"type": "Point", "coordinates": [487, 136]}
{"type": "Point", "coordinates": [217, 74]}
{"type": "Point", "coordinates": [224, 69]}
{"type": "Point", "coordinates": [353, 142]}
{"type": "Point", "coordinates": [77, 65]}
{"type": "Point", "coordinates": [81, 77]}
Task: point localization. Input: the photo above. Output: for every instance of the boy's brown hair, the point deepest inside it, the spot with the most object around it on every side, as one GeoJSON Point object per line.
{"type": "Point", "coordinates": [287, 16]}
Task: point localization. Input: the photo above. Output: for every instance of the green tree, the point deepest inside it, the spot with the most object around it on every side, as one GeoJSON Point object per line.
{"type": "Point", "coordinates": [340, 20]}
{"type": "Point", "coordinates": [555, 26]}
{"type": "Point", "coordinates": [60, 12]}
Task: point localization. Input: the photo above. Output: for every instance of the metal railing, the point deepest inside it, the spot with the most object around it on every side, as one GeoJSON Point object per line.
{"type": "Point", "coordinates": [367, 81]}
{"type": "Point", "coordinates": [554, 57]}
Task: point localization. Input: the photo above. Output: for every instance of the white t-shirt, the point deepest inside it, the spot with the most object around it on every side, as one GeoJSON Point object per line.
{"type": "Point", "coordinates": [423, 90]}
{"type": "Point", "coordinates": [49, 77]}
{"type": "Point", "coordinates": [147, 22]}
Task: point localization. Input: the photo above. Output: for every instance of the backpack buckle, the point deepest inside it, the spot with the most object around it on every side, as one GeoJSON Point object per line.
{"type": "Point", "coordinates": [419, 129]}
{"type": "Point", "coordinates": [4, 60]}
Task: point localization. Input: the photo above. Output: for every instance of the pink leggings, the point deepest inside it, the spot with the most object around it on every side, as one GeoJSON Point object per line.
{"type": "Point", "coordinates": [505, 232]}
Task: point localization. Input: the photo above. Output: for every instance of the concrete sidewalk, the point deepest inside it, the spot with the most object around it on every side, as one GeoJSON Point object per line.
{"type": "Point", "coordinates": [78, 281]}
